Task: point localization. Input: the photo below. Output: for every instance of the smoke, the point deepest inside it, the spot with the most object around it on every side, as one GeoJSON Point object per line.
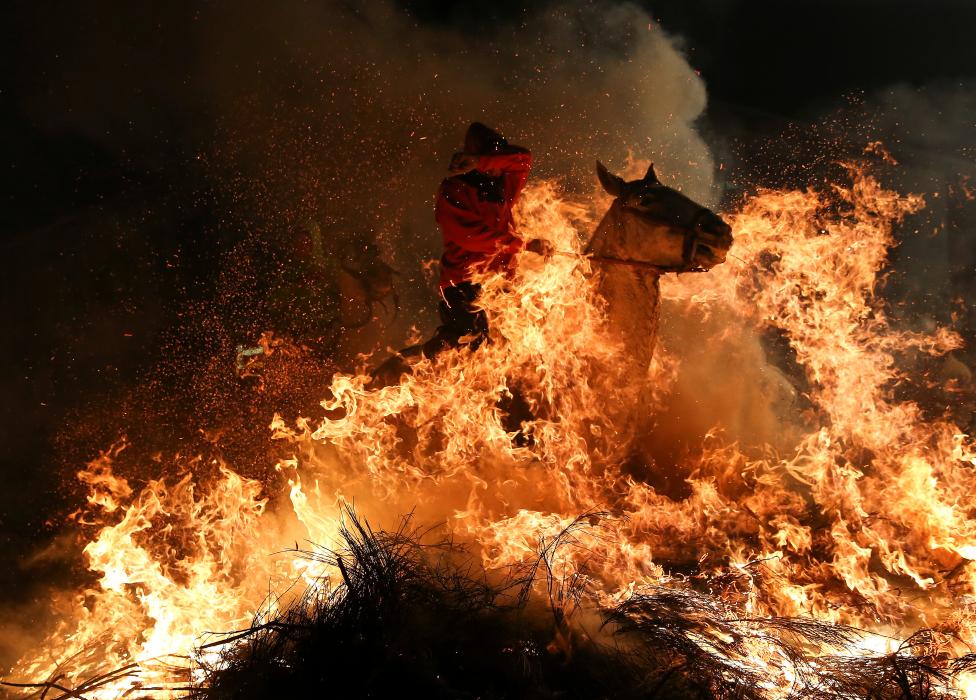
{"type": "Point", "coordinates": [349, 116]}
{"type": "Point", "coordinates": [932, 121]}
{"type": "Point", "coordinates": [931, 132]}
{"type": "Point", "coordinates": [345, 115]}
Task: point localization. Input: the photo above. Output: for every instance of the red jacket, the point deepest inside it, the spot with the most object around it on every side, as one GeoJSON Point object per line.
{"type": "Point", "coordinates": [474, 212]}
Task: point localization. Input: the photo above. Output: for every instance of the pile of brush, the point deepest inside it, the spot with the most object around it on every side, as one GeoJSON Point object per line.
{"type": "Point", "coordinates": [419, 620]}
{"type": "Point", "coordinates": [414, 617]}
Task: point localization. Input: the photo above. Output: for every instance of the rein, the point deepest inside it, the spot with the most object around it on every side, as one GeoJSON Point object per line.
{"type": "Point", "coordinates": [662, 269]}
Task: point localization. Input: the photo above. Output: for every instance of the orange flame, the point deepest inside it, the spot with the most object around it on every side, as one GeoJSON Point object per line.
{"type": "Point", "coordinates": [868, 521]}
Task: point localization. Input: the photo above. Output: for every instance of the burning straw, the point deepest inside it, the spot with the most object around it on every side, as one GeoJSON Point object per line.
{"type": "Point", "coordinates": [839, 564]}
{"type": "Point", "coordinates": [411, 614]}
{"type": "Point", "coordinates": [410, 618]}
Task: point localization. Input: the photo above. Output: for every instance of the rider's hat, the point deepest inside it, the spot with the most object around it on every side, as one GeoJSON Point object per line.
{"type": "Point", "coordinates": [481, 139]}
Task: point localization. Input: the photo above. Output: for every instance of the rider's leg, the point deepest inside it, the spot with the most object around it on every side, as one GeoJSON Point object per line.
{"type": "Point", "coordinates": [462, 323]}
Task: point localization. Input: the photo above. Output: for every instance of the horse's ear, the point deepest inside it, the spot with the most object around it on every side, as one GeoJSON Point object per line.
{"type": "Point", "coordinates": [611, 183]}
{"type": "Point", "coordinates": [651, 176]}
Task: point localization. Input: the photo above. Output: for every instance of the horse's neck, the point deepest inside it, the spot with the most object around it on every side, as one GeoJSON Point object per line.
{"type": "Point", "coordinates": [631, 296]}
{"type": "Point", "coordinates": [631, 291]}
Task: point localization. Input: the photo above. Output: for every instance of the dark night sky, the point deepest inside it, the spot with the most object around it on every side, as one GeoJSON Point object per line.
{"type": "Point", "coordinates": [758, 57]}
{"type": "Point", "coordinates": [68, 160]}
{"type": "Point", "coordinates": [788, 58]}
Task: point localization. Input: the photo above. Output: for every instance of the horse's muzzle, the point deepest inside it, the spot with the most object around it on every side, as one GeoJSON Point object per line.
{"type": "Point", "coordinates": [714, 238]}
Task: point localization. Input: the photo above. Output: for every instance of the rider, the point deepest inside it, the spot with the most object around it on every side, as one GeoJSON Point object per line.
{"type": "Point", "coordinates": [474, 212]}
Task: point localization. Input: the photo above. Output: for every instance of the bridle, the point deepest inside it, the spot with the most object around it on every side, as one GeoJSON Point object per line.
{"type": "Point", "coordinates": [689, 248]}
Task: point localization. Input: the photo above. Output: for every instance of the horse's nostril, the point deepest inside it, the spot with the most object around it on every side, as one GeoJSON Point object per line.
{"type": "Point", "coordinates": [717, 232]}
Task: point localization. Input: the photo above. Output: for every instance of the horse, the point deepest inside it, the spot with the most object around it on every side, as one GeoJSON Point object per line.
{"type": "Point", "coordinates": [649, 230]}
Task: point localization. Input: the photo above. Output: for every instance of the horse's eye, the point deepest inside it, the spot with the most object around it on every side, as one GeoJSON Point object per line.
{"type": "Point", "coordinates": [653, 205]}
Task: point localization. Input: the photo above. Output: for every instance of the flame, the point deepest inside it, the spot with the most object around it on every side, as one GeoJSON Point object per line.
{"type": "Point", "coordinates": [865, 520]}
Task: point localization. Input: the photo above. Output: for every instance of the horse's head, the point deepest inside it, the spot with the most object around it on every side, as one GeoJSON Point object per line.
{"type": "Point", "coordinates": [663, 227]}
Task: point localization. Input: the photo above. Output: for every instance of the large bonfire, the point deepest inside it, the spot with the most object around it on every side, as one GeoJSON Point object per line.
{"type": "Point", "coordinates": [860, 520]}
